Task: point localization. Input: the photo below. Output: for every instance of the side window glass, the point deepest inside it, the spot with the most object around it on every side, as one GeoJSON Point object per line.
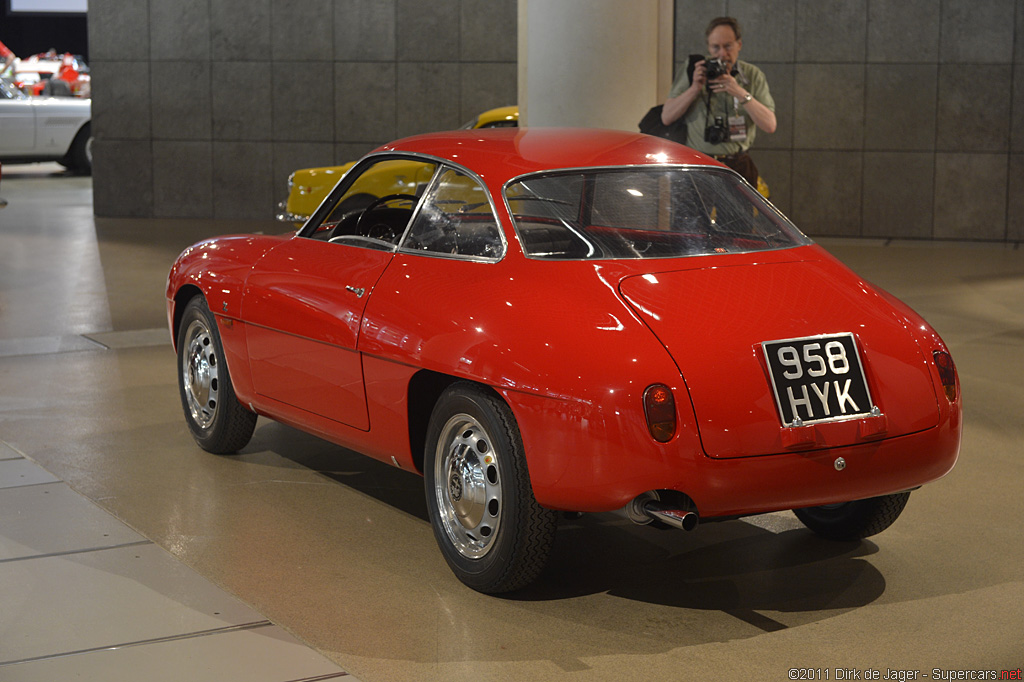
{"type": "Point", "coordinates": [377, 206]}
{"type": "Point", "coordinates": [456, 220]}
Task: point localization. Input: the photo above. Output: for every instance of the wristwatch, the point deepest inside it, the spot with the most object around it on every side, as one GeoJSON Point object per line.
{"type": "Point", "coordinates": [747, 98]}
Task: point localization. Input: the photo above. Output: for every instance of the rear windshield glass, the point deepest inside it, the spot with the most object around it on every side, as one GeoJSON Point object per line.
{"type": "Point", "coordinates": [644, 213]}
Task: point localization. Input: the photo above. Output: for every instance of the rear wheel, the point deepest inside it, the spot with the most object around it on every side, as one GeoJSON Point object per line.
{"type": "Point", "coordinates": [854, 520]}
{"type": "Point", "coordinates": [218, 422]}
{"type": "Point", "coordinates": [490, 528]}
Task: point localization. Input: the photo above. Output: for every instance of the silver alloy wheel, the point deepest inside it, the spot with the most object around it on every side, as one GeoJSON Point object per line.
{"type": "Point", "coordinates": [199, 373]}
{"type": "Point", "coordinates": [467, 486]}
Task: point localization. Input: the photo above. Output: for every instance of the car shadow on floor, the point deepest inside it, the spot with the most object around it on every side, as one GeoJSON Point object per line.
{"type": "Point", "coordinates": [733, 566]}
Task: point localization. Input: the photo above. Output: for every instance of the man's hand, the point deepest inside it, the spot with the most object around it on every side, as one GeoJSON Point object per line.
{"type": "Point", "coordinates": [727, 83]}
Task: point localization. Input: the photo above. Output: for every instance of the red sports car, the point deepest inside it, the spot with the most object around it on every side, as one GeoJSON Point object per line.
{"type": "Point", "coordinates": [575, 320]}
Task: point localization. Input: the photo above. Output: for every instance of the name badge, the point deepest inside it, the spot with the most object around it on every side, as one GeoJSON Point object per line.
{"type": "Point", "coordinates": [737, 128]}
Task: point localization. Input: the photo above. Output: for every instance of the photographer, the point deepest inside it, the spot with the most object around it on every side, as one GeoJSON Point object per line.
{"type": "Point", "coordinates": [722, 100]}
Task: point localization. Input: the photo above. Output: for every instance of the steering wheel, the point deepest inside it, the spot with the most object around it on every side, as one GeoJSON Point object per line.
{"type": "Point", "coordinates": [387, 232]}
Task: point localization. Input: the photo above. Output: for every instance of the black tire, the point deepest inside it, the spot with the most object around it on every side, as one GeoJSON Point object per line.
{"type": "Point", "coordinates": [218, 422]}
{"type": "Point", "coordinates": [854, 520]}
{"type": "Point", "coordinates": [79, 156]}
{"type": "Point", "coordinates": [491, 530]}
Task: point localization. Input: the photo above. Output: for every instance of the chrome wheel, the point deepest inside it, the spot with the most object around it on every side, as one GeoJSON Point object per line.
{"type": "Point", "coordinates": [199, 370]}
{"type": "Point", "coordinates": [487, 522]}
{"type": "Point", "coordinates": [467, 486]}
{"type": "Point", "coordinates": [217, 420]}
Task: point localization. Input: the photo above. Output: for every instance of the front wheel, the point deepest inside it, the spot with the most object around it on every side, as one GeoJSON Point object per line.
{"type": "Point", "coordinates": [854, 520]}
{"type": "Point", "coordinates": [79, 156]}
{"type": "Point", "coordinates": [218, 422]}
{"type": "Point", "coordinates": [491, 530]}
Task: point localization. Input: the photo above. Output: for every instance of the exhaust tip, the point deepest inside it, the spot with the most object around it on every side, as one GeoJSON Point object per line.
{"type": "Point", "coordinates": [677, 512]}
{"type": "Point", "coordinates": [683, 519]}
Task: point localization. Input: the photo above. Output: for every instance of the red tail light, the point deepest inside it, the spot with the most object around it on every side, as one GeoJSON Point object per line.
{"type": "Point", "coordinates": [660, 410]}
{"type": "Point", "coordinates": [947, 373]}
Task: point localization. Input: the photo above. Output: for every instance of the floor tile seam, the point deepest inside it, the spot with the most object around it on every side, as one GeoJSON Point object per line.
{"type": "Point", "coordinates": [21, 455]}
{"type": "Point", "coordinates": [240, 627]}
{"type": "Point", "coordinates": [72, 552]}
{"type": "Point", "coordinates": [96, 344]}
{"type": "Point", "coordinates": [55, 481]}
{"type": "Point", "coordinates": [54, 337]}
{"type": "Point", "coordinates": [122, 332]}
{"type": "Point", "coordinates": [36, 354]}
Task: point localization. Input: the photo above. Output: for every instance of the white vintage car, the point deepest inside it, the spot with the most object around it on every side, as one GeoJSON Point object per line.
{"type": "Point", "coordinates": [45, 129]}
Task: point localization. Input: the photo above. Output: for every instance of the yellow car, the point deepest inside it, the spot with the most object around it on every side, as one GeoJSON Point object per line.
{"type": "Point", "coordinates": [308, 187]}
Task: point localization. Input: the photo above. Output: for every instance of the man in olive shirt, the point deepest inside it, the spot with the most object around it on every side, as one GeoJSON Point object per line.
{"type": "Point", "coordinates": [722, 118]}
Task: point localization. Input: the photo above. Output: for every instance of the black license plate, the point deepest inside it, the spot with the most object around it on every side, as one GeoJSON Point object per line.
{"type": "Point", "coordinates": [817, 379]}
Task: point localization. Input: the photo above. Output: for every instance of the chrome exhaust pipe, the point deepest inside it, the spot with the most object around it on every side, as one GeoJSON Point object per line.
{"type": "Point", "coordinates": [677, 518]}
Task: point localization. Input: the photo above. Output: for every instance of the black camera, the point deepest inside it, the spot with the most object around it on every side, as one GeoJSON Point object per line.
{"type": "Point", "coordinates": [717, 132]}
{"type": "Point", "coordinates": [715, 68]}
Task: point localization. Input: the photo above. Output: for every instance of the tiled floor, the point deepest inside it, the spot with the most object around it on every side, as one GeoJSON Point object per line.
{"type": "Point", "coordinates": [127, 553]}
{"type": "Point", "coordinates": [85, 597]}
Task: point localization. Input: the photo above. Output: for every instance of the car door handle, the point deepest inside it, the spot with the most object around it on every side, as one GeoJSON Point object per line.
{"type": "Point", "coordinates": [358, 291]}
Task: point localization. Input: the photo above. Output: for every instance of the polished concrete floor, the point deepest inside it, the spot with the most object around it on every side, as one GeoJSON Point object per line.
{"type": "Point", "coordinates": [128, 553]}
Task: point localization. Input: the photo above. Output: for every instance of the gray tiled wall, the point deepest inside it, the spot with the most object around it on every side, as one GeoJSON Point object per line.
{"type": "Point", "coordinates": [202, 108]}
{"type": "Point", "coordinates": [895, 116]}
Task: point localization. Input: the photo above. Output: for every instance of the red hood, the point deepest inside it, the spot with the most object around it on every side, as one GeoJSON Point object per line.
{"type": "Point", "coordinates": [713, 320]}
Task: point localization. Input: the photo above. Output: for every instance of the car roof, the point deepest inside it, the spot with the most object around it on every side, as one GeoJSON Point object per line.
{"type": "Point", "coordinates": [500, 154]}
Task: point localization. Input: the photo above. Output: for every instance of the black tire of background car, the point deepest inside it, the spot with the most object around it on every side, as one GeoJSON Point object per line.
{"type": "Point", "coordinates": [56, 87]}
{"type": "Point", "coordinates": [79, 156]}
{"type": "Point", "coordinates": [526, 530]}
{"type": "Point", "coordinates": [232, 425]}
{"type": "Point", "coordinates": [854, 520]}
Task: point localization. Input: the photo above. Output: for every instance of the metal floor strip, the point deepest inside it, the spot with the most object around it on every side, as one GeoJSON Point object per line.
{"type": "Point", "coordinates": [132, 338]}
{"type": "Point", "coordinates": [93, 341]}
{"type": "Point", "coordinates": [72, 552]}
{"type": "Point", "coordinates": [46, 345]}
{"type": "Point", "coordinates": [143, 642]}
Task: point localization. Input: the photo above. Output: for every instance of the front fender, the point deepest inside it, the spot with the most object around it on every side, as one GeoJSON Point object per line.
{"type": "Point", "coordinates": [217, 269]}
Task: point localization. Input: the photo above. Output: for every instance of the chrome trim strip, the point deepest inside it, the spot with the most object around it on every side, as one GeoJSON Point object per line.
{"type": "Point", "coordinates": [442, 164]}
{"type": "Point", "coordinates": [689, 167]}
{"type": "Point", "coordinates": [342, 186]}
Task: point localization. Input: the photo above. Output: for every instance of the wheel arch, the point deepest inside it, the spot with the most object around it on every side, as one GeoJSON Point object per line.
{"type": "Point", "coordinates": [181, 298]}
{"type": "Point", "coordinates": [425, 389]}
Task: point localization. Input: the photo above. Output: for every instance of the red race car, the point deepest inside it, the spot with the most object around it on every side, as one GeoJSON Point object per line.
{"type": "Point", "coordinates": [576, 320]}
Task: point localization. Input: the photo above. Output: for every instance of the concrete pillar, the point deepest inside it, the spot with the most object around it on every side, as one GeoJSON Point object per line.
{"type": "Point", "coordinates": [593, 63]}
